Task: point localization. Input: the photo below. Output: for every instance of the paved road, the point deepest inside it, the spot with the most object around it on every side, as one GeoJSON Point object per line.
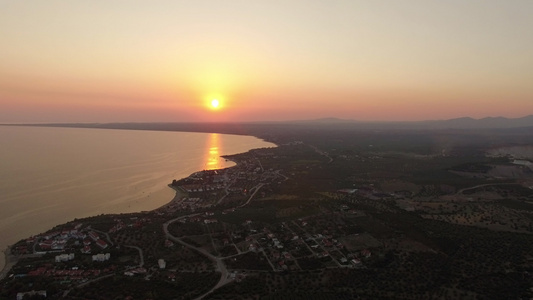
{"type": "Point", "coordinates": [482, 185]}
{"type": "Point", "coordinates": [226, 189]}
{"type": "Point", "coordinates": [278, 173]}
{"type": "Point", "coordinates": [88, 282]}
{"type": "Point", "coordinates": [323, 153]}
{"type": "Point", "coordinates": [220, 266]}
{"type": "Point", "coordinates": [106, 234]}
{"type": "Point", "coordinates": [257, 187]}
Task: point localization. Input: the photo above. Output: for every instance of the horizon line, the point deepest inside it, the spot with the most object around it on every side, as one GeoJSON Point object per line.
{"type": "Point", "coordinates": [322, 119]}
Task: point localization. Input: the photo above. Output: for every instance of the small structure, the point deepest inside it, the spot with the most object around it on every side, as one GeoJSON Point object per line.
{"type": "Point", "coordinates": [355, 262]}
{"type": "Point", "coordinates": [64, 257]}
{"type": "Point", "coordinates": [93, 235]}
{"type": "Point", "coordinates": [101, 257]}
{"type": "Point", "coordinates": [101, 243]}
{"type": "Point", "coordinates": [162, 263]}
{"type": "Point", "coordinates": [366, 253]}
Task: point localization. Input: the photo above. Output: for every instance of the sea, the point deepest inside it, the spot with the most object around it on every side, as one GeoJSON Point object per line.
{"type": "Point", "coordinates": [50, 175]}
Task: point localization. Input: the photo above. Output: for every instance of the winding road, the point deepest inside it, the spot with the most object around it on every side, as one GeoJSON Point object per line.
{"type": "Point", "coordinates": [220, 266]}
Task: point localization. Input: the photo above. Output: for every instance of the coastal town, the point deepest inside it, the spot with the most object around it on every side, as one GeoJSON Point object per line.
{"type": "Point", "coordinates": [280, 223]}
{"type": "Point", "coordinates": [208, 216]}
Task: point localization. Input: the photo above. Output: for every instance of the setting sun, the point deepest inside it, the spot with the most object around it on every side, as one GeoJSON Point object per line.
{"type": "Point", "coordinates": [215, 103]}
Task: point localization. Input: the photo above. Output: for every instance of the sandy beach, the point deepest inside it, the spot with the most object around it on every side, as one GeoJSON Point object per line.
{"type": "Point", "coordinates": [180, 194]}
{"type": "Point", "coordinates": [9, 260]}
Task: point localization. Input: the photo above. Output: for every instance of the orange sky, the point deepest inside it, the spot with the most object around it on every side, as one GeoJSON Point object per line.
{"type": "Point", "coordinates": [164, 61]}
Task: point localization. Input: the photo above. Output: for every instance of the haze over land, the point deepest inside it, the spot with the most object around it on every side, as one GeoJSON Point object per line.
{"type": "Point", "coordinates": [164, 61]}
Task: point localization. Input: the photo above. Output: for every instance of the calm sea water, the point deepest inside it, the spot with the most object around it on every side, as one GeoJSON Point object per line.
{"type": "Point", "coordinates": [49, 176]}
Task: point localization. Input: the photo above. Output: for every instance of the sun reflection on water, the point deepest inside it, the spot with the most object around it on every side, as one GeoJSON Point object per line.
{"type": "Point", "coordinates": [212, 157]}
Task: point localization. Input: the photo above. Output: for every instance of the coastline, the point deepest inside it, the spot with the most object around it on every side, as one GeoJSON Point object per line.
{"type": "Point", "coordinates": [10, 260]}
{"type": "Point", "coordinates": [180, 193]}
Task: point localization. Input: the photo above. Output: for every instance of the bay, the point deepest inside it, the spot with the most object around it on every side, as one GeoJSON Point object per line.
{"type": "Point", "coordinates": [50, 176]}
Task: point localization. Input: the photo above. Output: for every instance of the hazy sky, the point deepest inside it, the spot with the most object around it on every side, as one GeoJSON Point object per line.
{"type": "Point", "coordinates": [105, 61]}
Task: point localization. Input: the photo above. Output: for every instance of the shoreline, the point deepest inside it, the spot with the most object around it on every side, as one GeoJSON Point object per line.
{"type": "Point", "coordinates": [177, 196]}
{"type": "Point", "coordinates": [10, 260]}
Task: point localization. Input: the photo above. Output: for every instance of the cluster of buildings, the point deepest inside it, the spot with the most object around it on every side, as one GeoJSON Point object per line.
{"type": "Point", "coordinates": [95, 237]}
{"type": "Point", "coordinates": [57, 240]}
{"type": "Point", "coordinates": [284, 245]}
{"type": "Point", "coordinates": [70, 274]}
{"type": "Point", "coordinates": [198, 188]}
{"type": "Point", "coordinates": [134, 222]}
{"type": "Point", "coordinates": [66, 239]}
{"type": "Point", "coordinates": [188, 203]}
{"type": "Point", "coordinates": [228, 185]}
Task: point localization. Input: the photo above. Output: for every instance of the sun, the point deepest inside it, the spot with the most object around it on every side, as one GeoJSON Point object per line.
{"type": "Point", "coordinates": [215, 103]}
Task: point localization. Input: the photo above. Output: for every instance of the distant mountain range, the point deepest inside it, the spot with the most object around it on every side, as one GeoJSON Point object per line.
{"type": "Point", "coordinates": [524, 124]}
{"type": "Point", "coordinates": [457, 123]}
{"type": "Point", "coordinates": [490, 122]}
